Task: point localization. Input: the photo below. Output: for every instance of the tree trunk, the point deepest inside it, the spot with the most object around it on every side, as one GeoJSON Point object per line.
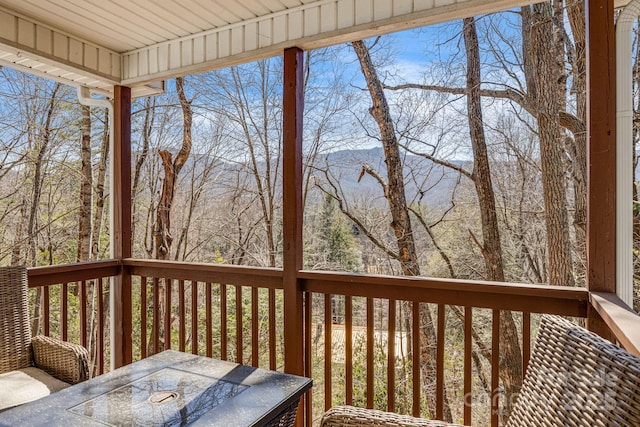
{"type": "Point", "coordinates": [491, 248]}
{"type": "Point", "coordinates": [44, 140]}
{"type": "Point", "coordinates": [147, 128]}
{"type": "Point", "coordinates": [547, 67]}
{"type": "Point", "coordinates": [96, 228]}
{"type": "Point", "coordinates": [86, 183]}
{"type": "Point", "coordinates": [575, 12]}
{"type": "Point", "coordinates": [84, 223]}
{"type": "Point", "coordinates": [162, 232]}
{"type": "Point", "coordinates": [401, 222]}
{"type": "Point", "coordinates": [510, 360]}
{"type": "Point", "coordinates": [99, 191]}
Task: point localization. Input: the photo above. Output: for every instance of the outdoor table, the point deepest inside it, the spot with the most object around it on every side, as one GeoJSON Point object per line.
{"type": "Point", "coordinates": [169, 389]}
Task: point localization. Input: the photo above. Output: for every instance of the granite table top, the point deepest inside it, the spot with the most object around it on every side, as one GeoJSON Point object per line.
{"type": "Point", "coordinates": [168, 389]}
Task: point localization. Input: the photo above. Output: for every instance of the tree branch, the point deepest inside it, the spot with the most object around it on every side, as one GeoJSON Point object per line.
{"type": "Point", "coordinates": [567, 120]}
{"type": "Point", "coordinates": [334, 195]}
{"type": "Point", "coordinates": [441, 162]}
{"type": "Point", "coordinates": [370, 171]}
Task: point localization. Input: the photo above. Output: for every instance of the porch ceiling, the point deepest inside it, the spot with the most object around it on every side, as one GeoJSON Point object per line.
{"type": "Point", "coordinates": [99, 43]}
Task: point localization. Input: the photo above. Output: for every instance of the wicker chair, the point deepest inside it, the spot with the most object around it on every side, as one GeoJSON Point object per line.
{"type": "Point", "coordinates": [31, 368]}
{"type": "Point", "coordinates": [575, 378]}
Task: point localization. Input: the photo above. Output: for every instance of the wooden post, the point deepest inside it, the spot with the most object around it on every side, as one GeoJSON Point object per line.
{"type": "Point", "coordinates": [601, 154]}
{"type": "Point", "coordinates": [292, 210]}
{"type": "Point", "coordinates": [121, 332]}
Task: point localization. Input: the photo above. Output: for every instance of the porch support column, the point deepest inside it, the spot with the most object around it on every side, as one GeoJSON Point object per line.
{"type": "Point", "coordinates": [601, 155]}
{"type": "Point", "coordinates": [292, 209]}
{"type": "Point", "coordinates": [121, 345]}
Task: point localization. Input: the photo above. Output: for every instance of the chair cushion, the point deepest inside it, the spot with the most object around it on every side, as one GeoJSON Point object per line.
{"type": "Point", "coordinates": [26, 385]}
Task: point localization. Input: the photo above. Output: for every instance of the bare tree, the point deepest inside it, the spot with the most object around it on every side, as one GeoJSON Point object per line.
{"type": "Point", "coordinates": [511, 361]}
{"type": "Point", "coordinates": [100, 197]}
{"type": "Point", "coordinates": [86, 183]}
{"type": "Point", "coordinates": [394, 191]}
{"type": "Point", "coordinates": [542, 55]}
{"type": "Point", "coordinates": [162, 229]}
{"type": "Point", "coordinates": [546, 48]}
{"type": "Point", "coordinates": [249, 99]}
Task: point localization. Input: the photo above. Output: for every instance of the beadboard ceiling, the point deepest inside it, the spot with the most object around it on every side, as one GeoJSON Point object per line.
{"type": "Point", "coordinates": [100, 43]}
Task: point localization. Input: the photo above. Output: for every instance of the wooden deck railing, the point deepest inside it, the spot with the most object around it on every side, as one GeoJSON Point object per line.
{"type": "Point", "coordinates": [357, 327]}
{"type": "Point", "coordinates": [450, 301]}
{"type": "Point", "coordinates": [72, 302]}
{"type": "Point", "coordinates": [242, 322]}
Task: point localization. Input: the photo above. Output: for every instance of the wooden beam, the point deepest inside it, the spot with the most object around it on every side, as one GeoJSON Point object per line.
{"type": "Point", "coordinates": [601, 154]}
{"type": "Point", "coordinates": [292, 210]}
{"type": "Point", "coordinates": [121, 226]}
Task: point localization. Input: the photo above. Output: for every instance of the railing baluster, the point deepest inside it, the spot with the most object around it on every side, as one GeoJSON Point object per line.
{"type": "Point", "coordinates": [254, 327]}
{"type": "Point", "coordinates": [239, 327]}
{"type": "Point", "coordinates": [308, 399]}
{"type": "Point", "coordinates": [45, 310]}
{"type": "Point", "coordinates": [526, 341]}
{"type": "Point", "coordinates": [209, 325]}
{"type": "Point", "coordinates": [167, 314]}
{"type": "Point", "coordinates": [348, 349]}
{"type": "Point", "coordinates": [223, 321]}
{"type": "Point", "coordinates": [82, 300]}
{"type": "Point", "coordinates": [194, 317]}
{"type": "Point", "coordinates": [440, 363]}
{"type": "Point", "coordinates": [100, 328]}
{"type": "Point", "coordinates": [272, 329]}
{"type": "Point", "coordinates": [328, 338]}
{"type": "Point", "coordinates": [156, 315]}
{"type": "Point", "coordinates": [495, 368]}
{"type": "Point", "coordinates": [415, 358]}
{"type": "Point", "coordinates": [64, 307]}
{"type": "Point", "coordinates": [143, 317]}
{"type": "Point", "coordinates": [468, 397]}
{"type": "Point", "coordinates": [182, 319]}
{"type": "Point", "coordinates": [370, 336]}
{"type": "Point", "coordinates": [391, 357]}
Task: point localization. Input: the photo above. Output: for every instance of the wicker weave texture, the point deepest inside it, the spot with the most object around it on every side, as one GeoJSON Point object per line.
{"type": "Point", "coordinates": [287, 417]}
{"type": "Point", "coordinates": [575, 378]}
{"type": "Point", "coordinates": [15, 333]}
{"type": "Point", "coordinates": [349, 416]}
{"type": "Point", "coordinates": [66, 361]}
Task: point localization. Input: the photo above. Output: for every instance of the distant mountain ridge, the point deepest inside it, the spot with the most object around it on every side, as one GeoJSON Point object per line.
{"type": "Point", "coordinates": [438, 182]}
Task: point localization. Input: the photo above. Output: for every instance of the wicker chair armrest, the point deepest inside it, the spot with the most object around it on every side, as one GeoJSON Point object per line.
{"type": "Point", "coordinates": [66, 361]}
{"type": "Point", "coordinates": [349, 416]}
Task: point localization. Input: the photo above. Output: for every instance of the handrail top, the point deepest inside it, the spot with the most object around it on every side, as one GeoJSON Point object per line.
{"type": "Point", "coordinates": [43, 270]}
{"type": "Point", "coordinates": [562, 292]}
{"type": "Point", "coordinates": [187, 265]}
{"type": "Point", "coordinates": [619, 318]}
{"type": "Point", "coordinates": [571, 293]}
{"type": "Point", "coordinates": [64, 273]}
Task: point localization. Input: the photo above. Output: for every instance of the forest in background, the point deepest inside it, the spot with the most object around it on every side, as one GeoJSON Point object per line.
{"type": "Point", "coordinates": [454, 151]}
